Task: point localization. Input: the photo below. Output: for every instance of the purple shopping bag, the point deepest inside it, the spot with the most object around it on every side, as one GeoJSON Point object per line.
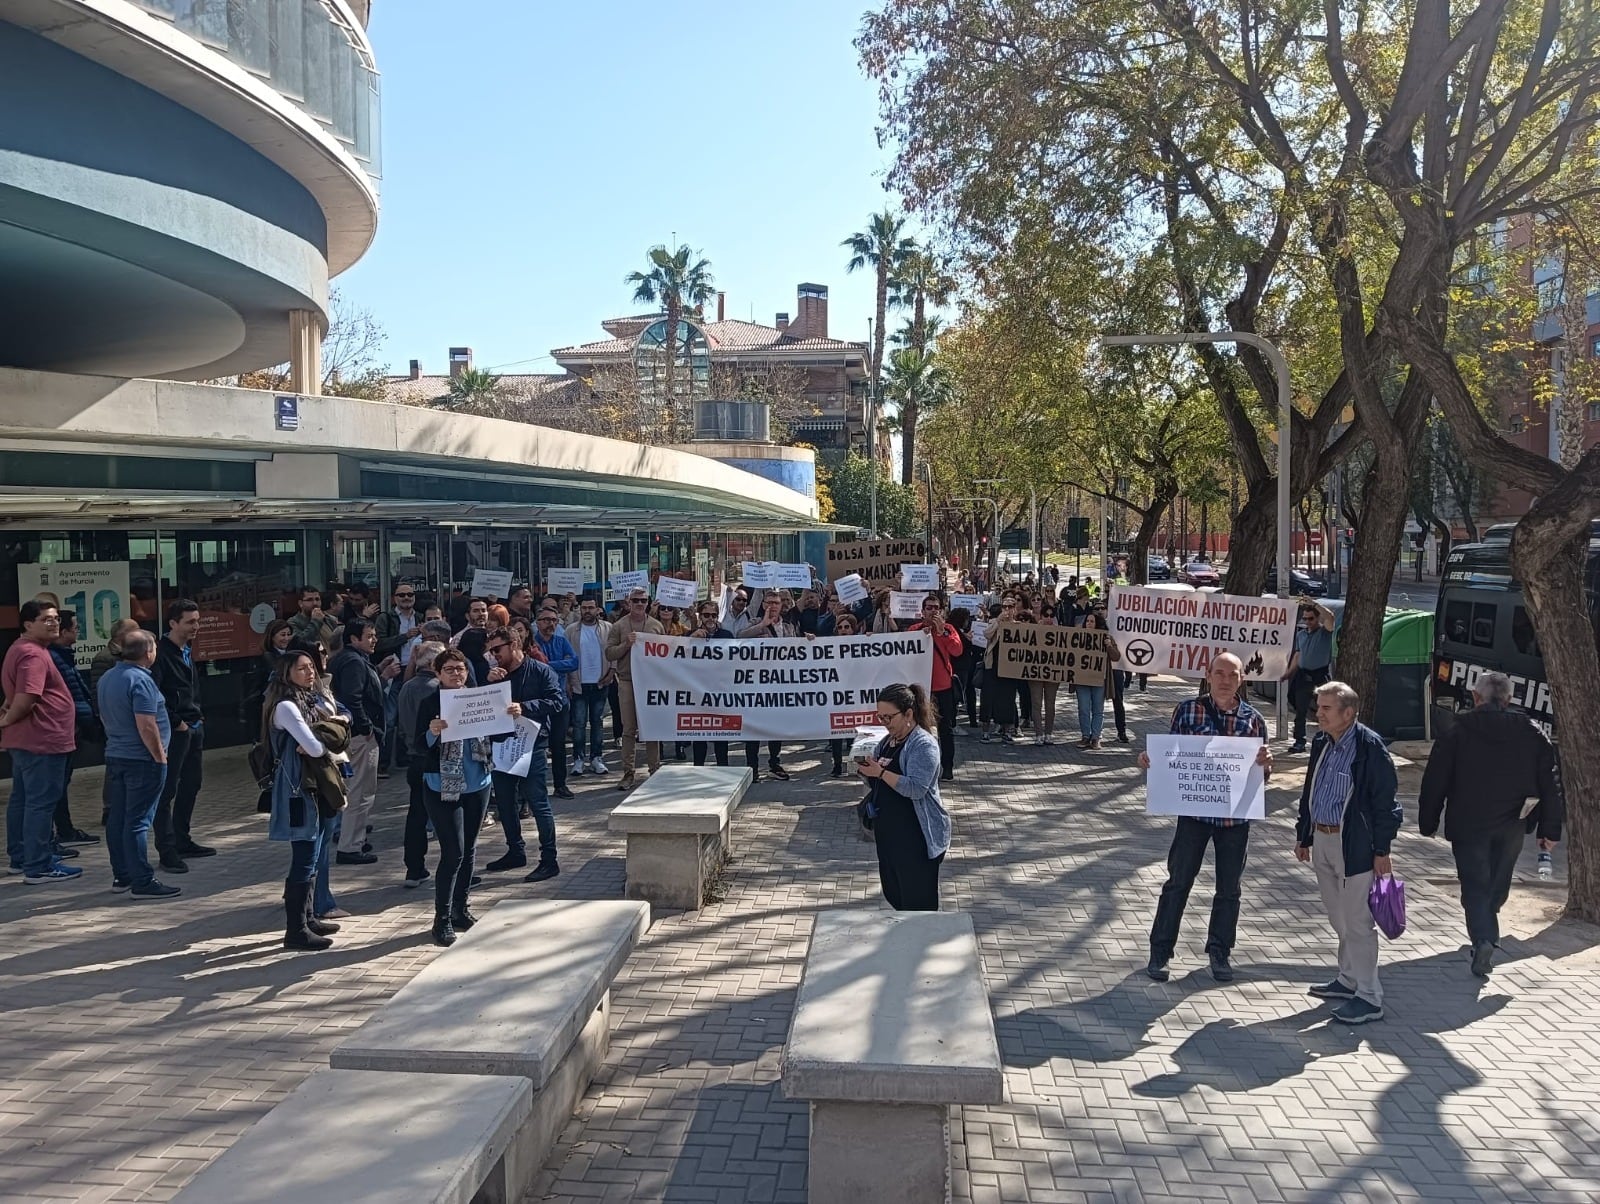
{"type": "Point", "coordinates": [1387, 899]}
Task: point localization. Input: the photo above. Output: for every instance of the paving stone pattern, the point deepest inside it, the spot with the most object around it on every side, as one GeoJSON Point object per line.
{"type": "Point", "coordinates": [140, 1039]}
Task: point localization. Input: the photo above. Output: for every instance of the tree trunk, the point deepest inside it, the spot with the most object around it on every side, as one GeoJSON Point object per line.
{"type": "Point", "coordinates": [1549, 551]}
{"type": "Point", "coordinates": [1149, 523]}
{"type": "Point", "coordinates": [1372, 566]}
{"type": "Point", "coordinates": [880, 442]}
{"type": "Point", "coordinates": [909, 413]}
{"type": "Point", "coordinates": [1253, 542]}
{"type": "Point", "coordinates": [670, 414]}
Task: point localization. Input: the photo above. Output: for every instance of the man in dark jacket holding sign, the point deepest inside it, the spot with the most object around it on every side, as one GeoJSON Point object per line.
{"type": "Point", "coordinates": [1220, 713]}
{"type": "Point", "coordinates": [535, 687]}
{"type": "Point", "coordinates": [1348, 819]}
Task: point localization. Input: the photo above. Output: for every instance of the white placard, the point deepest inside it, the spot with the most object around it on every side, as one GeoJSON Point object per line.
{"type": "Point", "coordinates": [978, 636]}
{"type": "Point", "coordinates": [514, 754]}
{"type": "Point", "coordinates": [760, 574]}
{"type": "Point", "coordinates": [1160, 631]}
{"type": "Point", "coordinates": [671, 591]}
{"type": "Point", "coordinates": [770, 689]}
{"type": "Point", "coordinates": [476, 711]}
{"type": "Point", "coordinates": [905, 606]}
{"type": "Point", "coordinates": [491, 583]}
{"type": "Point", "coordinates": [919, 576]}
{"type": "Point", "coordinates": [794, 576]}
{"type": "Point", "coordinates": [1208, 777]}
{"type": "Point", "coordinates": [622, 584]}
{"type": "Point", "coordinates": [973, 604]}
{"type": "Point", "coordinates": [851, 589]}
{"type": "Point", "coordinates": [566, 581]}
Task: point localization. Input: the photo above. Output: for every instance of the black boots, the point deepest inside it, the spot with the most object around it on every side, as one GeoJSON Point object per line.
{"type": "Point", "coordinates": [461, 918]}
{"type": "Point", "coordinates": [443, 932]}
{"type": "Point", "coordinates": [320, 927]}
{"type": "Point", "coordinates": [296, 905]}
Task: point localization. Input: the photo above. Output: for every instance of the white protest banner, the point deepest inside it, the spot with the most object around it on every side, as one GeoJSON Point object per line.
{"type": "Point", "coordinates": [514, 754]}
{"type": "Point", "coordinates": [760, 574]}
{"type": "Point", "coordinates": [851, 589]}
{"type": "Point", "coordinates": [919, 576]}
{"type": "Point", "coordinates": [622, 584]}
{"type": "Point", "coordinates": [971, 603]}
{"type": "Point", "coordinates": [566, 581]}
{"type": "Point", "coordinates": [1045, 652]}
{"type": "Point", "coordinates": [671, 591]}
{"type": "Point", "coordinates": [877, 560]}
{"type": "Point", "coordinates": [95, 591]}
{"type": "Point", "coordinates": [770, 689]}
{"type": "Point", "coordinates": [794, 576]}
{"type": "Point", "coordinates": [978, 636]}
{"type": "Point", "coordinates": [479, 711]}
{"type": "Point", "coordinates": [491, 583]}
{"type": "Point", "coordinates": [1208, 777]}
{"type": "Point", "coordinates": [1159, 631]}
{"type": "Point", "coordinates": [905, 606]}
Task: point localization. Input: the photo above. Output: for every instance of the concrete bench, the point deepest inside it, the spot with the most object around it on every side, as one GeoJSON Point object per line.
{"type": "Point", "coordinates": [360, 1137]}
{"type": "Point", "coordinates": [891, 1026]}
{"type": "Point", "coordinates": [526, 993]}
{"type": "Point", "coordinates": [677, 829]}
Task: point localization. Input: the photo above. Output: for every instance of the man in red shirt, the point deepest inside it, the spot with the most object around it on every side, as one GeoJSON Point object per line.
{"type": "Point", "coordinates": [38, 729]}
{"type": "Point", "coordinates": [946, 647]}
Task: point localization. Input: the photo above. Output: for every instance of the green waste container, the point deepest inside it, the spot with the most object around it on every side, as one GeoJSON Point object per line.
{"type": "Point", "coordinates": [1404, 663]}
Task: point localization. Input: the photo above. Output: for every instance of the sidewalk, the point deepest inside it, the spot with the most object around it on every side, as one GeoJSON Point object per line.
{"type": "Point", "coordinates": [144, 1038]}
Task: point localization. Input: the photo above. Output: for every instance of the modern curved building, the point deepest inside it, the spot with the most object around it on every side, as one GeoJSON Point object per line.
{"type": "Point", "coordinates": [178, 181]}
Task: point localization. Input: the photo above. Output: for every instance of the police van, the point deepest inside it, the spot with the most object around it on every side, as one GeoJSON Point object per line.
{"type": "Point", "coordinates": [1481, 623]}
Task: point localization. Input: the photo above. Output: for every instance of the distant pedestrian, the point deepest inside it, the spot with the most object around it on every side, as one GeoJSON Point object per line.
{"type": "Point", "coordinates": [909, 822]}
{"type": "Point", "coordinates": [1348, 818]}
{"type": "Point", "coordinates": [1310, 665]}
{"type": "Point", "coordinates": [358, 688]}
{"type": "Point", "coordinates": [178, 677]}
{"type": "Point", "coordinates": [1479, 774]}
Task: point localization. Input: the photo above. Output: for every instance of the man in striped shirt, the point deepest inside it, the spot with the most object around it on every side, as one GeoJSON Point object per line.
{"type": "Point", "coordinates": [1221, 713]}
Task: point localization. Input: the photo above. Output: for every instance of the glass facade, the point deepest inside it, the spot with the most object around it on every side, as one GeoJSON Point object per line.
{"type": "Point", "coordinates": [243, 577]}
{"type": "Point", "coordinates": [305, 50]}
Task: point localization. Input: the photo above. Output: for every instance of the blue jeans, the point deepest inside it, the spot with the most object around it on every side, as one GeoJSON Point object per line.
{"type": "Point", "coordinates": [1091, 710]}
{"type": "Point", "coordinates": [306, 855]}
{"type": "Point", "coordinates": [134, 787]}
{"type": "Point", "coordinates": [588, 709]}
{"type": "Point", "coordinates": [322, 900]}
{"type": "Point", "coordinates": [37, 780]}
{"type": "Point", "coordinates": [511, 791]}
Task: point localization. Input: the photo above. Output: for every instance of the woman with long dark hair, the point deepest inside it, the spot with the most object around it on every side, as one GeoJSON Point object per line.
{"type": "Point", "coordinates": [455, 791]}
{"type": "Point", "coordinates": [909, 822]}
{"type": "Point", "coordinates": [294, 702]}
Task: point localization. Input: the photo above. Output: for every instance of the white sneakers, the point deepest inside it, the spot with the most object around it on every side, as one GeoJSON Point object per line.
{"type": "Point", "coordinates": [599, 765]}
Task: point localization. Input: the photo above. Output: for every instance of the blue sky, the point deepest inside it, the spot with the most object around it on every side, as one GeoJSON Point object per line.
{"type": "Point", "coordinates": [533, 151]}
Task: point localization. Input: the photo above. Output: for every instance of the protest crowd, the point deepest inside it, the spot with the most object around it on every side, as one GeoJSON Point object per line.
{"type": "Point", "coordinates": [491, 707]}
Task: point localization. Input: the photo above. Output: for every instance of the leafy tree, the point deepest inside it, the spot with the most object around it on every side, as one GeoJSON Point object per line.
{"type": "Point", "coordinates": [850, 486]}
{"type": "Point", "coordinates": [881, 246]}
{"type": "Point", "coordinates": [915, 380]}
{"type": "Point", "coordinates": [920, 279]}
{"type": "Point", "coordinates": [680, 282]}
{"type": "Point", "coordinates": [477, 391]}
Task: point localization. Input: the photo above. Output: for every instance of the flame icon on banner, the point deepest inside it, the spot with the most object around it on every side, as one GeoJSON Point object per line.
{"type": "Point", "coordinates": [1254, 666]}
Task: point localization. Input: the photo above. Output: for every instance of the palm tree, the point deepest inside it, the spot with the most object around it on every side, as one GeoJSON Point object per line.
{"type": "Point", "coordinates": [476, 391]}
{"type": "Point", "coordinates": [880, 246]}
{"type": "Point", "coordinates": [677, 281]}
{"type": "Point", "coordinates": [921, 280]}
{"type": "Point", "coordinates": [915, 379]}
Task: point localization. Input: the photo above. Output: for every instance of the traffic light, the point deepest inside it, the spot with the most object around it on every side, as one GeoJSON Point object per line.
{"type": "Point", "coordinates": [983, 541]}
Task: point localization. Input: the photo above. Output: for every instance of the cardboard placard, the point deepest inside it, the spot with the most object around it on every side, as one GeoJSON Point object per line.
{"type": "Point", "coordinates": [1046, 652]}
{"type": "Point", "coordinates": [877, 560]}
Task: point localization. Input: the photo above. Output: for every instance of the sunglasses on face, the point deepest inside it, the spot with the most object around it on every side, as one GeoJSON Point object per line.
{"type": "Point", "coordinates": [498, 648]}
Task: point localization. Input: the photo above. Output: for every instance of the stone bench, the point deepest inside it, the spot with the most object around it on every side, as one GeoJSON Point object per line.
{"type": "Point", "coordinates": [891, 1026]}
{"type": "Point", "coordinates": [525, 993]}
{"type": "Point", "coordinates": [677, 829]}
{"type": "Point", "coordinates": [360, 1137]}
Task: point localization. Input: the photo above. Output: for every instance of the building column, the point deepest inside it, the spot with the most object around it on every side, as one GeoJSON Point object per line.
{"type": "Point", "coordinates": [305, 352]}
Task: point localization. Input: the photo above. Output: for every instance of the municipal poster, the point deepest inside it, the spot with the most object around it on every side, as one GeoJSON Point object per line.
{"type": "Point", "coordinates": [95, 591]}
{"type": "Point", "coordinates": [1207, 777]}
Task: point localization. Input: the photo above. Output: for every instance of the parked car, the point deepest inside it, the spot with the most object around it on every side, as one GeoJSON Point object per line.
{"type": "Point", "coordinates": [1300, 582]}
{"type": "Point", "coordinates": [1158, 569]}
{"type": "Point", "coordinates": [1200, 572]}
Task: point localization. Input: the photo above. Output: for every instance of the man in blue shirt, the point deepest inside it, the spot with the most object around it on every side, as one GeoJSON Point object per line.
{"type": "Point", "coordinates": [1221, 713]}
{"type": "Point", "coordinates": [563, 661]}
{"type": "Point", "coordinates": [1310, 665]}
{"type": "Point", "coordinates": [138, 733]}
{"type": "Point", "coordinates": [1348, 818]}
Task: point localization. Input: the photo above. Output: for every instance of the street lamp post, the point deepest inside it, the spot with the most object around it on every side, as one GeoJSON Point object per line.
{"type": "Point", "coordinates": [1280, 370]}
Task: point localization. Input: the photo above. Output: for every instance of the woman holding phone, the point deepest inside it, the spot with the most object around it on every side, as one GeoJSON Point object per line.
{"type": "Point", "coordinates": [909, 822]}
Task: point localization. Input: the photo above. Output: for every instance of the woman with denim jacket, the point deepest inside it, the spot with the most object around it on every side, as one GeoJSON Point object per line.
{"type": "Point", "coordinates": [910, 824]}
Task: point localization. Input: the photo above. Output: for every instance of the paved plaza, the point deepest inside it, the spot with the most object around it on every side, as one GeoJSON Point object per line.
{"type": "Point", "coordinates": [140, 1040]}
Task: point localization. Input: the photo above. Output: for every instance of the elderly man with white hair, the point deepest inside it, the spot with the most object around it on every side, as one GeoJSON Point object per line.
{"type": "Point", "coordinates": [1479, 777]}
{"type": "Point", "coordinates": [1349, 816]}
